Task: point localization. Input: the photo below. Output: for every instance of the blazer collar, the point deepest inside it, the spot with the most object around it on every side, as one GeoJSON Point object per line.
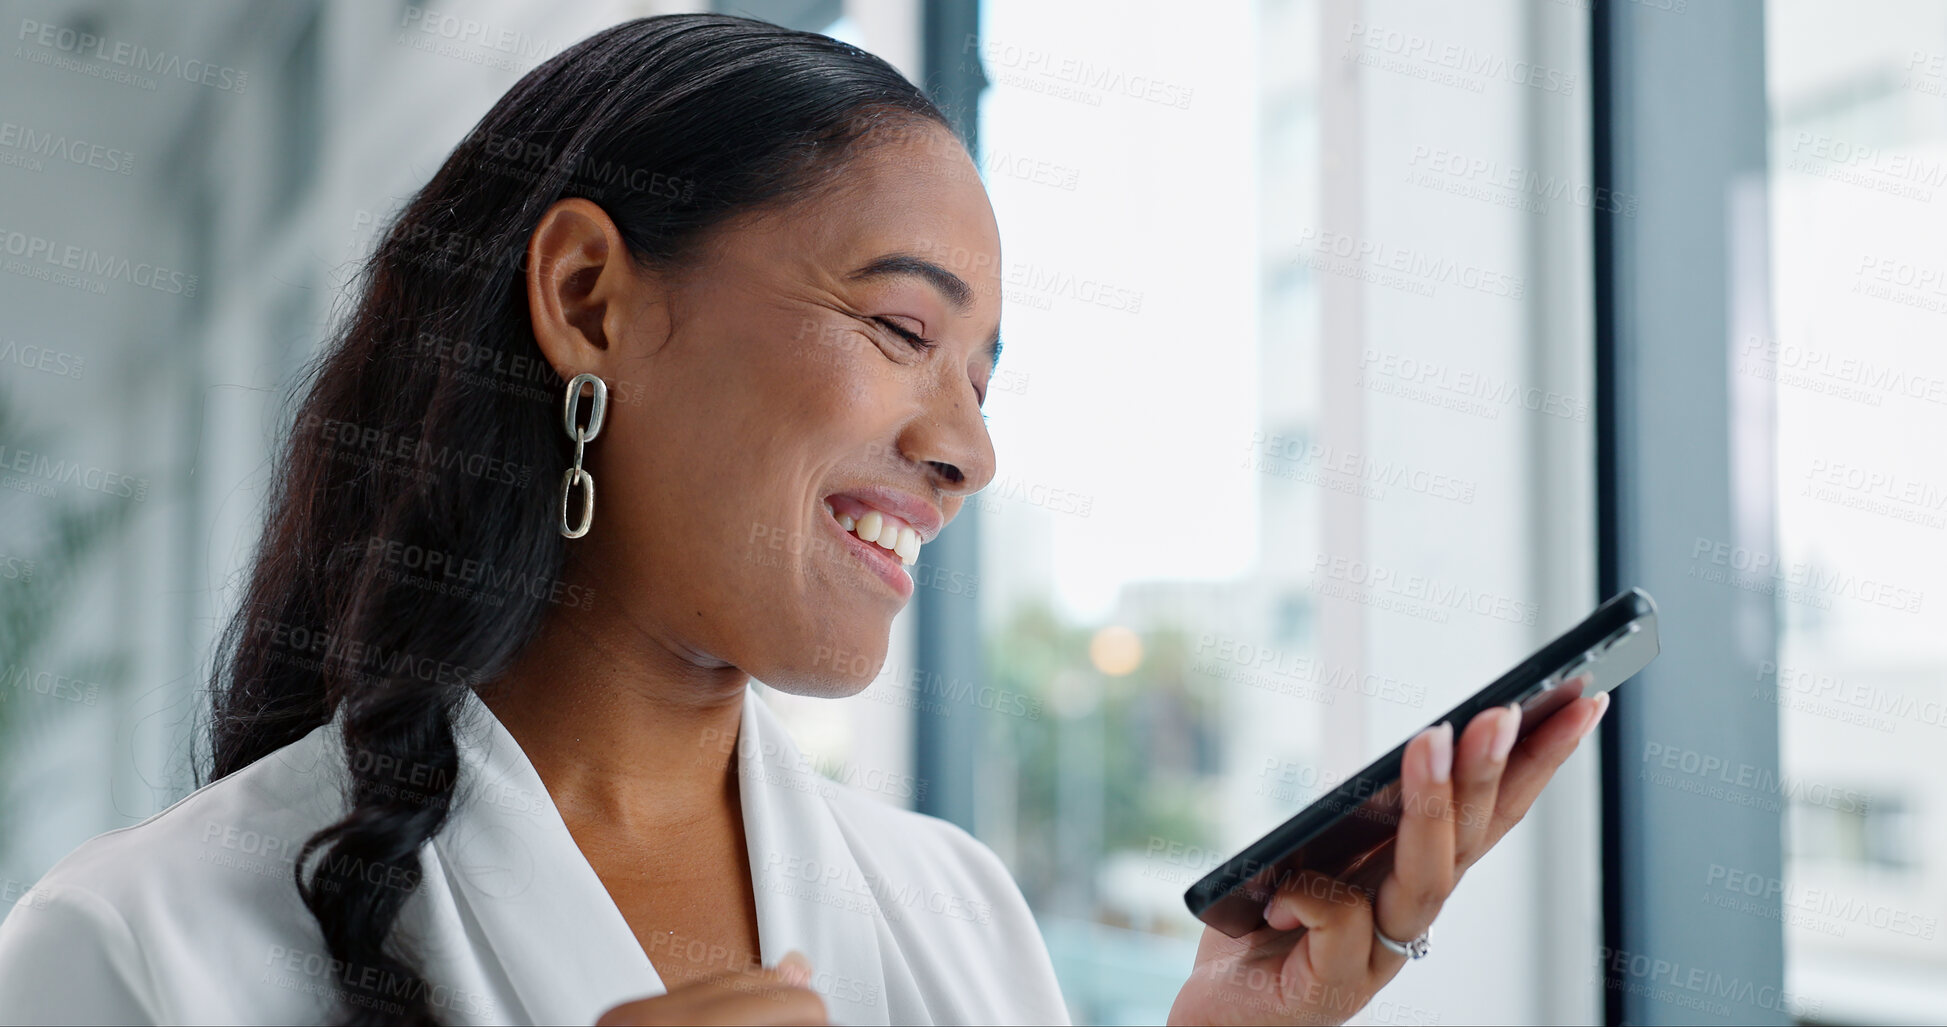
{"type": "Point", "coordinates": [812, 894]}
{"type": "Point", "coordinates": [565, 948]}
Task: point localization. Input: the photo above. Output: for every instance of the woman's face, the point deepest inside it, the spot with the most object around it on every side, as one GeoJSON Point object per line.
{"type": "Point", "coordinates": [772, 397]}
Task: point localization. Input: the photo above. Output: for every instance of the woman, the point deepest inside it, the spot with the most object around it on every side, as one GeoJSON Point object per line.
{"type": "Point", "coordinates": [483, 743]}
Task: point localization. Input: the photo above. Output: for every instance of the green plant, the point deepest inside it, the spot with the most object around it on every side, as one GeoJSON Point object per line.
{"type": "Point", "coordinates": [45, 545]}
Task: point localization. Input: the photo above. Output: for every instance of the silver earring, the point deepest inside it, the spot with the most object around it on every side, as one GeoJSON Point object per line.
{"type": "Point", "coordinates": [582, 435]}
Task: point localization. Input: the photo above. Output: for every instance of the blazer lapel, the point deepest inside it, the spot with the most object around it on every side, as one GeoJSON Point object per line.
{"type": "Point", "coordinates": [521, 884]}
{"type": "Point", "coordinates": [514, 869]}
{"type": "Point", "coordinates": [812, 895]}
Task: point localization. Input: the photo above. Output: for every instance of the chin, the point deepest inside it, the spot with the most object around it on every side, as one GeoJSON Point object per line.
{"type": "Point", "coordinates": [831, 669]}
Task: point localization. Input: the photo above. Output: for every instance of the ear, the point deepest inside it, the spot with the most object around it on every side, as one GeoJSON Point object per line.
{"type": "Point", "coordinates": [582, 285]}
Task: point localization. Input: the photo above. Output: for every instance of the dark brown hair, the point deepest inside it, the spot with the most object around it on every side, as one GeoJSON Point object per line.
{"type": "Point", "coordinates": [428, 437]}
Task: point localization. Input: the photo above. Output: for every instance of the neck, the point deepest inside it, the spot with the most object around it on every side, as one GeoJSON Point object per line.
{"type": "Point", "coordinates": [624, 730]}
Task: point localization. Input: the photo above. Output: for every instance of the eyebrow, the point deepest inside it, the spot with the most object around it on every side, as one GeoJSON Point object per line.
{"type": "Point", "coordinates": [952, 286]}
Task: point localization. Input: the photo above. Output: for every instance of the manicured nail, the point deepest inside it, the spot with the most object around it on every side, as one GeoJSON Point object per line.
{"type": "Point", "coordinates": [1440, 753]}
{"type": "Point", "coordinates": [794, 968]}
{"type": "Point", "coordinates": [1505, 732]}
{"type": "Point", "coordinates": [1601, 707]}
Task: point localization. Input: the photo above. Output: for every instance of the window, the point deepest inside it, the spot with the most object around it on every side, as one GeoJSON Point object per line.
{"type": "Point", "coordinates": [1296, 453]}
{"type": "Point", "coordinates": [1858, 98]}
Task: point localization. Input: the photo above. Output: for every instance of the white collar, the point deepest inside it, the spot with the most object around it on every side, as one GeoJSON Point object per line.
{"type": "Point", "coordinates": [525, 889]}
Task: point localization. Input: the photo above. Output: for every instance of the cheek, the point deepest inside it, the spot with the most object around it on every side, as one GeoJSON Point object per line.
{"type": "Point", "coordinates": [840, 376]}
{"type": "Point", "coordinates": [709, 485]}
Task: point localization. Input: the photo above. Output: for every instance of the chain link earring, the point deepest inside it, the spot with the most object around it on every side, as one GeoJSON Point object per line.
{"type": "Point", "coordinates": [582, 435]}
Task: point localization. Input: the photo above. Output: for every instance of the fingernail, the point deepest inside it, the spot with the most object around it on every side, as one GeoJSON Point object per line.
{"type": "Point", "coordinates": [1601, 707]}
{"type": "Point", "coordinates": [1440, 753]}
{"type": "Point", "coordinates": [1269, 908]}
{"type": "Point", "coordinates": [1504, 734]}
{"type": "Point", "coordinates": [794, 968]}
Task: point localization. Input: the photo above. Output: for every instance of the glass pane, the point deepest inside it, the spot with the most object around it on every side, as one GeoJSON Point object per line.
{"type": "Point", "coordinates": [1293, 431]}
{"type": "Point", "coordinates": [1858, 97]}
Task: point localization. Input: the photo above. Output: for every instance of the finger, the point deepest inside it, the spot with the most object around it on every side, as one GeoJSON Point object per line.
{"type": "Point", "coordinates": [1535, 760]}
{"type": "Point", "coordinates": [794, 969]}
{"type": "Point", "coordinates": [1479, 759]}
{"type": "Point", "coordinates": [1423, 857]}
{"type": "Point", "coordinates": [760, 995]}
{"type": "Point", "coordinates": [1337, 918]}
{"type": "Point", "coordinates": [764, 1003]}
{"type": "Point", "coordinates": [726, 998]}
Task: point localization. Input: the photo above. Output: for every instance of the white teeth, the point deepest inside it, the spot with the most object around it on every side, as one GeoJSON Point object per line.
{"type": "Point", "coordinates": [869, 526]}
{"type": "Point", "coordinates": [886, 531]}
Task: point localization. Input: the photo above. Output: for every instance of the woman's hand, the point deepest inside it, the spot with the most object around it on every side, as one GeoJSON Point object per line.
{"type": "Point", "coordinates": [778, 995]}
{"type": "Point", "coordinates": [1317, 962]}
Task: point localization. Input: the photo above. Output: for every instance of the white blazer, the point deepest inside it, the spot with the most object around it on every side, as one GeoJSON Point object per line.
{"type": "Point", "coordinates": [192, 916]}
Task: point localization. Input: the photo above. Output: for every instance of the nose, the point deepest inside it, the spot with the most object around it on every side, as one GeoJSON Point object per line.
{"type": "Point", "coordinates": [949, 440]}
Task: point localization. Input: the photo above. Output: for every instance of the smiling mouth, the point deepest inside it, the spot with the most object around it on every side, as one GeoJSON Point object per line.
{"type": "Point", "coordinates": [882, 529]}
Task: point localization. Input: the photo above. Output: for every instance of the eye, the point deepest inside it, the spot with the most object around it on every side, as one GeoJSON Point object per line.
{"type": "Point", "coordinates": [912, 337]}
